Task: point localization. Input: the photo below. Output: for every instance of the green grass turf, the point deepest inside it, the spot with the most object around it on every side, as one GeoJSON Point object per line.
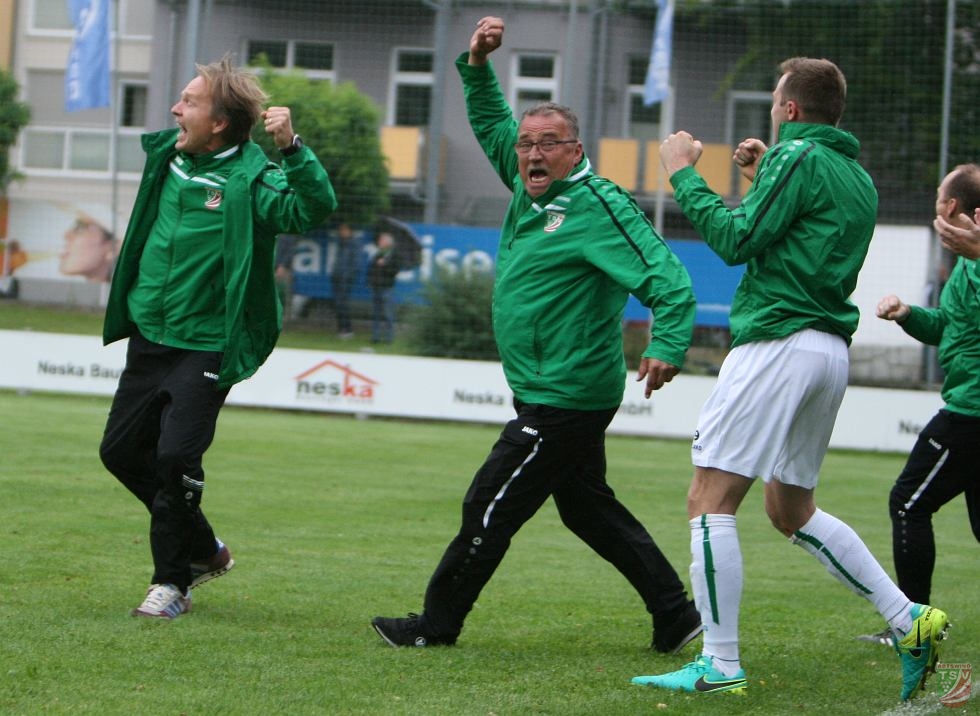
{"type": "Point", "coordinates": [333, 520]}
{"type": "Point", "coordinates": [306, 334]}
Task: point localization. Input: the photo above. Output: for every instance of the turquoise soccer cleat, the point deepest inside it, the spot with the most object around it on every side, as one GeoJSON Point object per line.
{"type": "Point", "coordinates": [700, 676]}
{"type": "Point", "coordinates": [919, 649]}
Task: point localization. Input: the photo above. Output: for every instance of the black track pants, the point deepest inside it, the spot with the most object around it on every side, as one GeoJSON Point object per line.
{"type": "Point", "coordinates": [545, 452]}
{"type": "Point", "coordinates": [161, 422]}
{"type": "Point", "coordinates": [943, 464]}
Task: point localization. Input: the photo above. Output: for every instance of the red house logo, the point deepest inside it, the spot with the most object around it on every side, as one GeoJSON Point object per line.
{"type": "Point", "coordinates": [330, 380]}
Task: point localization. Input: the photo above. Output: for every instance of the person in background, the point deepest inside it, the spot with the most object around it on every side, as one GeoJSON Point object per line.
{"type": "Point", "coordinates": [285, 252]}
{"type": "Point", "coordinates": [943, 461]}
{"type": "Point", "coordinates": [12, 257]}
{"type": "Point", "coordinates": [382, 271]}
{"type": "Point", "coordinates": [194, 292]}
{"type": "Point", "coordinates": [803, 231]}
{"type": "Point", "coordinates": [573, 247]}
{"type": "Point", "coordinates": [346, 266]}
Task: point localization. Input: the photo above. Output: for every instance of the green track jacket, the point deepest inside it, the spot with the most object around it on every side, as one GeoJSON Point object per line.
{"type": "Point", "coordinates": [566, 265]}
{"type": "Point", "coordinates": [802, 231]}
{"type": "Point", "coordinates": [955, 328]}
{"type": "Point", "coordinates": [261, 200]}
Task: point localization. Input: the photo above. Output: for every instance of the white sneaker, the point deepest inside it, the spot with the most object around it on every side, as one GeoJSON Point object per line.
{"type": "Point", "coordinates": [165, 601]}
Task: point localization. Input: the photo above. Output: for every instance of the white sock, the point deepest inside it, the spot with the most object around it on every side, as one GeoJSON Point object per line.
{"type": "Point", "coordinates": [844, 554]}
{"type": "Point", "coordinates": [716, 580]}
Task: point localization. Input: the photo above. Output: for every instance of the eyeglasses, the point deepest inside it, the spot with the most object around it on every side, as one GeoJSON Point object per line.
{"type": "Point", "coordinates": [545, 145]}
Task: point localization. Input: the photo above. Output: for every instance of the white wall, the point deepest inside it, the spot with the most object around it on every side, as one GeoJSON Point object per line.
{"type": "Point", "coordinates": [898, 263]}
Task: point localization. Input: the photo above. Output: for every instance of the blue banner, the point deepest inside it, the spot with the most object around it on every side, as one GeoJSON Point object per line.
{"type": "Point", "coordinates": [87, 74]}
{"type": "Point", "coordinates": [657, 83]}
{"type": "Point", "coordinates": [459, 248]}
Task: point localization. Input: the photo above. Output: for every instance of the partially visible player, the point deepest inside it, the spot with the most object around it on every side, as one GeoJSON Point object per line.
{"type": "Point", "coordinates": [943, 461]}
{"type": "Point", "coordinates": [803, 231]}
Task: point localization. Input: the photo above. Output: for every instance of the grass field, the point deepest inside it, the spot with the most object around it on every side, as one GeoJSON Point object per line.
{"type": "Point", "coordinates": [333, 520]}
{"type": "Point", "coordinates": [307, 335]}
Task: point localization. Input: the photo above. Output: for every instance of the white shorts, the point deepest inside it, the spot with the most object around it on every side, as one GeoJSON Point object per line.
{"type": "Point", "coordinates": [773, 408]}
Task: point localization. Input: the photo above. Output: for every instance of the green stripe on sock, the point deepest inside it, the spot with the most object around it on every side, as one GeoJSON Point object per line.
{"type": "Point", "coordinates": [822, 548]}
{"type": "Point", "coordinates": [709, 569]}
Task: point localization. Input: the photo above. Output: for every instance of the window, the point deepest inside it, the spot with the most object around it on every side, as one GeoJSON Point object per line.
{"type": "Point", "coordinates": [50, 15]}
{"type": "Point", "coordinates": [411, 87]}
{"type": "Point", "coordinates": [89, 151]}
{"type": "Point", "coordinates": [275, 52]}
{"type": "Point", "coordinates": [314, 58]}
{"type": "Point", "coordinates": [64, 151]}
{"type": "Point", "coordinates": [135, 17]}
{"type": "Point", "coordinates": [748, 115]}
{"type": "Point", "coordinates": [642, 122]}
{"type": "Point", "coordinates": [534, 79]}
{"type": "Point", "coordinates": [43, 150]}
{"type": "Point", "coordinates": [129, 152]}
{"type": "Point", "coordinates": [132, 105]}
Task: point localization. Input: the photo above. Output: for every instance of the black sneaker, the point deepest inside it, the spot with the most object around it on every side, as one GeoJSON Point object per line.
{"type": "Point", "coordinates": [405, 631]}
{"type": "Point", "coordinates": [674, 633]}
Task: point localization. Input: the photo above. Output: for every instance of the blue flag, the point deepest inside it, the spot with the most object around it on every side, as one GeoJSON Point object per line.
{"type": "Point", "coordinates": [658, 71]}
{"type": "Point", "coordinates": [87, 75]}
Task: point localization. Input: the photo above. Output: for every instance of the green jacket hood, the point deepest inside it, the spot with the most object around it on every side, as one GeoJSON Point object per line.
{"type": "Point", "coordinates": [837, 139]}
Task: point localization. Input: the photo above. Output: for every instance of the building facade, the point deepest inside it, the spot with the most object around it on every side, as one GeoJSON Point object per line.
{"type": "Point", "coordinates": [590, 56]}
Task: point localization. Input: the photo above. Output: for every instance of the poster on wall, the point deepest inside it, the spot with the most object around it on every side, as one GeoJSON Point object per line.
{"type": "Point", "coordinates": [66, 241]}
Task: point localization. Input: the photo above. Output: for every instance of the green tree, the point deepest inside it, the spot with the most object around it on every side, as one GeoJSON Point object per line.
{"type": "Point", "coordinates": [891, 53]}
{"type": "Point", "coordinates": [14, 115]}
{"type": "Point", "coordinates": [340, 125]}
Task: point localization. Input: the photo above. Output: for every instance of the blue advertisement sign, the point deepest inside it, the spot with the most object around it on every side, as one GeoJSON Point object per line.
{"type": "Point", "coordinates": [713, 280]}
{"type": "Point", "coordinates": [474, 249]}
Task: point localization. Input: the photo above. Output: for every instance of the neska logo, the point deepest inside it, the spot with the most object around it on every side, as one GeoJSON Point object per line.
{"type": "Point", "coordinates": [329, 380]}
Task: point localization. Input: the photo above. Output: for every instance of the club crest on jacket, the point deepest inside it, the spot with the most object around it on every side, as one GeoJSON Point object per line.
{"type": "Point", "coordinates": [554, 221]}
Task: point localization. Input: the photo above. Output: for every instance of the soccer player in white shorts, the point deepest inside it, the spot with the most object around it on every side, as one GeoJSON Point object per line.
{"type": "Point", "coordinates": [770, 415]}
{"type": "Point", "coordinates": [803, 231]}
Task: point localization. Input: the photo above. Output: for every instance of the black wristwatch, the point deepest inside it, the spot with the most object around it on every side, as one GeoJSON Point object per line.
{"type": "Point", "coordinates": [293, 147]}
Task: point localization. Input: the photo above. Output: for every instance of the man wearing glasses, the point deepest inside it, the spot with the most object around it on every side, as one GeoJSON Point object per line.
{"type": "Point", "coordinates": [573, 246]}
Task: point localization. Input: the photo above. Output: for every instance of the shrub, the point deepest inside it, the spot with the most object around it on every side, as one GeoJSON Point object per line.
{"type": "Point", "coordinates": [454, 321]}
